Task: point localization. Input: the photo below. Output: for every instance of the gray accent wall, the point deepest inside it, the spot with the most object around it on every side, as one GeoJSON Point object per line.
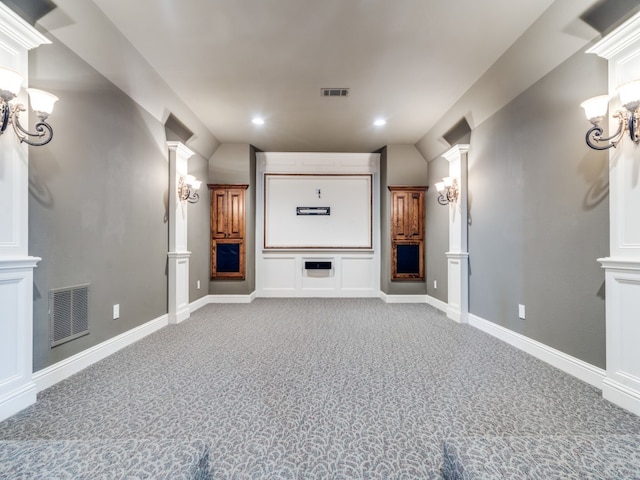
{"type": "Point", "coordinates": [437, 231]}
{"type": "Point", "coordinates": [402, 165]}
{"type": "Point", "coordinates": [98, 197]}
{"type": "Point", "coordinates": [538, 208]}
{"type": "Point", "coordinates": [236, 164]}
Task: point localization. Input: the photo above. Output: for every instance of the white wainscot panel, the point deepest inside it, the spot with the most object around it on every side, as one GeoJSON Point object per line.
{"type": "Point", "coordinates": [319, 279]}
{"type": "Point", "coordinates": [358, 275]}
{"type": "Point", "coordinates": [183, 283]}
{"type": "Point", "coordinates": [627, 294]}
{"type": "Point", "coordinates": [279, 275]}
{"type": "Point", "coordinates": [10, 291]}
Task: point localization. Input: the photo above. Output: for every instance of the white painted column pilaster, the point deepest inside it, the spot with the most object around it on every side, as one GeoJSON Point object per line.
{"type": "Point", "coordinates": [179, 310]}
{"type": "Point", "coordinates": [17, 390]}
{"type": "Point", "coordinates": [458, 254]}
{"type": "Point", "coordinates": [622, 267]}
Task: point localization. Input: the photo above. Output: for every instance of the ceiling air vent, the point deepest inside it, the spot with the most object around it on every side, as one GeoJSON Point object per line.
{"type": "Point", "coordinates": [334, 92]}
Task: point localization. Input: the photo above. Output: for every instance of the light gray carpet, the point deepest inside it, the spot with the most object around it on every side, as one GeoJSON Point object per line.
{"type": "Point", "coordinates": [319, 388]}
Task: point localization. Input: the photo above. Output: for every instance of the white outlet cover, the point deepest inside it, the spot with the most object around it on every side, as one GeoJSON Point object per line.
{"type": "Point", "coordinates": [116, 311]}
{"type": "Point", "coordinates": [521, 311]}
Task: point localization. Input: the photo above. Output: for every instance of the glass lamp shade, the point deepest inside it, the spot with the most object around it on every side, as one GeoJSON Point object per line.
{"type": "Point", "coordinates": [448, 181]}
{"type": "Point", "coordinates": [189, 179]}
{"type": "Point", "coordinates": [41, 102]}
{"type": "Point", "coordinates": [196, 184]}
{"type": "Point", "coordinates": [440, 187]}
{"type": "Point", "coordinates": [630, 94]}
{"type": "Point", "coordinates": [10, 82]}
{"type": "Point", "coordinates": [595, 107]}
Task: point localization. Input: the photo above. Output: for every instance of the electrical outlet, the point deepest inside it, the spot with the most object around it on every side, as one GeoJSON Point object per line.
{"type": "Point", "coordinates": [198, 284]}
{"type": "Point", "coordinates": [116, 311]}
{"type": "Point", "coordinates": [435, 284]}
{"type": "Point", "coordinates": [521, 311]}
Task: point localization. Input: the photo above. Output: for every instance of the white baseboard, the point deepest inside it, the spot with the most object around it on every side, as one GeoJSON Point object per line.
{"type": "Point", "coordinates": [232, 298]}
{"type": "Point", "coordinates": [439, 304]}
{"type": "Point", "coordinates": [199, 303]}
{"type": "Point", "coordinates": [622, 396]}
{"type": "Point", "coordinates": [403, 298]}
{"type": "Point", "coordinates": [571, 365]}
{"type": "Point", "coordinates": [17, 400]}
{"type": "Point", "coordinates": [49, 376]}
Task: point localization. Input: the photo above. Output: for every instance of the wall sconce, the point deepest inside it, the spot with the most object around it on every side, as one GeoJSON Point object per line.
{"type": "Point", "coordinates": [595, 109]}
{"type": "Point", "coordinates": [187, 186]}
{"type": "Point", "coordinates": [448, 190]}
{"type": "Point", "coordinates": [42, 103]}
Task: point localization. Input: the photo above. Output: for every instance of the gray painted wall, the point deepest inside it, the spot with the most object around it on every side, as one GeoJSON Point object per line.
{"type": "Point", "coordinates": [403, 165]}
{"type": "Point", "coordinates": [539, 214]}
{"type": "Point", "coordinates": [97, 204]}
{"type": "Point", "coordinates": [235, 164]}
{"type": "Point", "coordinates": [437, 230]}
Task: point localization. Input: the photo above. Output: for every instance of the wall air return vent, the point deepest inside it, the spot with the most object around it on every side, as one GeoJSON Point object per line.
{"type": "Point", "coordinates": [334, 92]}
{"type": "Point", "coordinates": [68, 313]}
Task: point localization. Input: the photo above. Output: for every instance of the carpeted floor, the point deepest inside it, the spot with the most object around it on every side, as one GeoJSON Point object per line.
{"type": "Point", "coordinates": [319, 388]}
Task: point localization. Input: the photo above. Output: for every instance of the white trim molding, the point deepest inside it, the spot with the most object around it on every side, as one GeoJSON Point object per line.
{"type": "Point", "coordinates": [57, 372]}
{"type": "Point", "coordinates": [573, 366]}
{"type": "Point", "coordinates": [17, 390]}
{"type": "Point", "coordinates": [232, 298]}
{"type": "Point", "coordinates": [458, 255]}
{"type": "Point", "coordinates": [622, 268]}
{"type": "Point", "coordinates": [403, 298]}
{"type": "Point", "coordinates": [439, 304]}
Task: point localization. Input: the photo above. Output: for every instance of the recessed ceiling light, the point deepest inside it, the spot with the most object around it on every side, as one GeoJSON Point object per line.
{"type": "Point", "coordinates": [257, 121]}
{"type": "Point", "coordinates": [380, 122]}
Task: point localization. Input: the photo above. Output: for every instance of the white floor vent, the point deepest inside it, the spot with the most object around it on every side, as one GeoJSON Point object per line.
{"type": "Point", "coordinates": [68, 313]}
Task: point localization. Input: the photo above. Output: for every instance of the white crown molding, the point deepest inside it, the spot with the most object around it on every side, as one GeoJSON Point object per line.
{"type": "Point", "coordinates": [625, 36]}
{"type": "Point", "coordinates": [18, 263]}
{"type": "Point", "coordinates": [181, 149]}
{"type": "Point", "coordinates": [14, 28]}
{"type": "Point", "coordinates": [620, 263]}
{"type": "Point", "coordinates": [179, 255]}
{"type": "Point", "coordinates": [455, 152]}
{"type": "Point", "coordinates": [318, 162]}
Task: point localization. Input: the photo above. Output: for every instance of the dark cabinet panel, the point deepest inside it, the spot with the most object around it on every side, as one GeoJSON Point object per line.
{"type": "Point", "coordinates": [407, 232]}
{"type": "Point", "coordinates": [227, 231]}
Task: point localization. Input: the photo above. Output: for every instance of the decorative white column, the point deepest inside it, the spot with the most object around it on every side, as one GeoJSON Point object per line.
{"type": "Point", "coordinates": [458, 254]}
{"type": "Point", "coordinates": [179, 309]}
{"type": "Point", "coordinates": [17, 390]}
{"type": "Point", "coordinates": [622, 267]}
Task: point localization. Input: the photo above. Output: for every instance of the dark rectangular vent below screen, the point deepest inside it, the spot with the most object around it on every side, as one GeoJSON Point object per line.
{"type": "Point", "coordinates": [68, 313]}
{"type": "Point", "coordinates": [335, 92]}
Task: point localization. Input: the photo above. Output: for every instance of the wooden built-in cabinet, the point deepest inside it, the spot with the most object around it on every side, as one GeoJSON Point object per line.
{"type": "Point", "coordinates": [228, 231]}
{"type": "Point", "coordinates": [407, 232]}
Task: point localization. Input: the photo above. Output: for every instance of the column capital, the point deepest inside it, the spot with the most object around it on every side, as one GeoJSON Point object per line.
{"type": "Point", "coordinates": [181, 149]}
{"type": "Point", "coordinates": [456, 152]}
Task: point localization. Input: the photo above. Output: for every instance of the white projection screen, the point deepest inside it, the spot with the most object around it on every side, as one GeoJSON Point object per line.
{"type": "Point", "coordinates": [318, 211]}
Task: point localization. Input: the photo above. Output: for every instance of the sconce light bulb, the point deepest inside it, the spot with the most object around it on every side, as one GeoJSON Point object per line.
{"type": "Point", "coordinates": [41, 102]}
{"type": "Point", "coordinates": [595, 108]}
{"type": "Point", "coordinates": [10, 82]}
{"type": "Point", "coordinates": [630, 95]}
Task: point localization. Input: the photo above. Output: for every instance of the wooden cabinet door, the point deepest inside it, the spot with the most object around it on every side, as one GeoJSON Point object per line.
{"type": "Point", "coordinates": [407, 232]}
{"type": "Point", "coordinates": [235, 213]}
{"type": "Point", "coordinates": [228, 231]}
{"type": "Point", "coordinates": [407, 213]}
